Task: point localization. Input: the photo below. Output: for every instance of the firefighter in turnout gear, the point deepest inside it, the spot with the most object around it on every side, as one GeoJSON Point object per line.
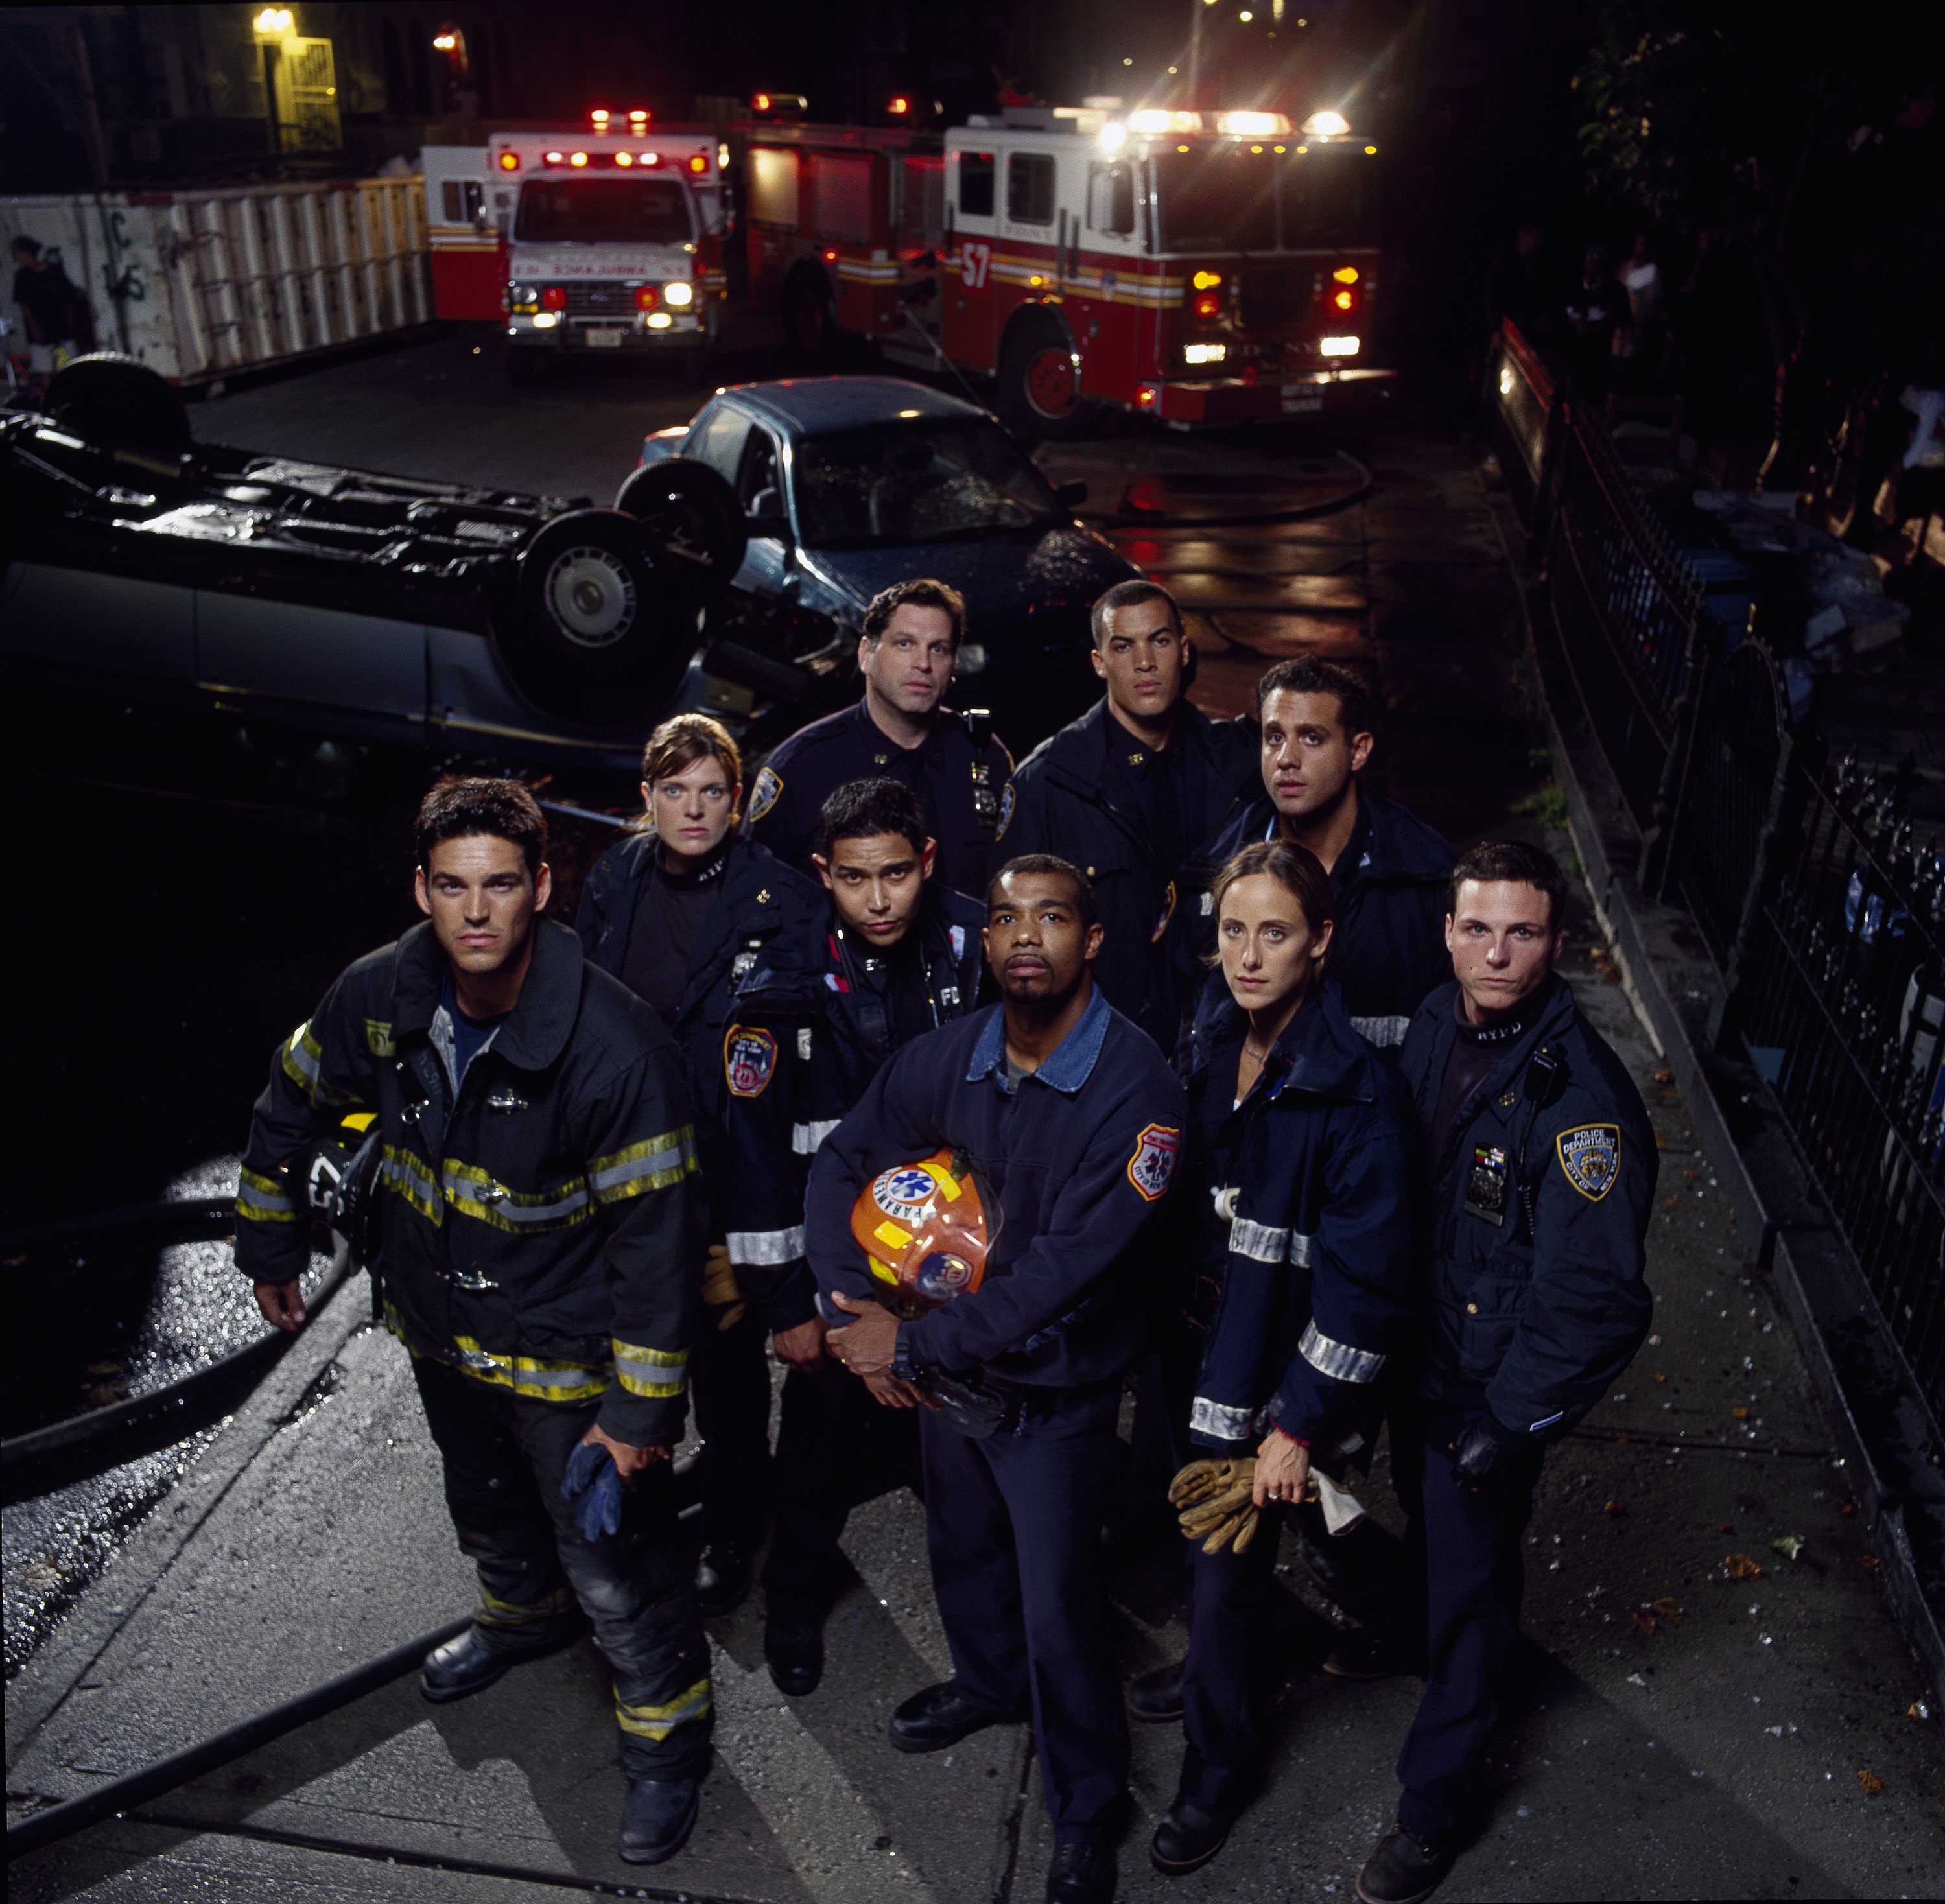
{"type": "Point", "coordinates": [897, 955]}
{"type": "Point", "coordinates": [540, 1242]}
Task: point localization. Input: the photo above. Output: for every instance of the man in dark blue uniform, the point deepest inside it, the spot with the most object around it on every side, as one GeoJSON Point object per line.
{"type": "Point", "coordinates": [894, 955]}
{"type": "Point", "coordinates": [1073, 1124]}
{"type": "Point", "coordinates": [1133, 793]}
{"type": "Point", "coordinates": [1544, 1166]}
{"type": "Point", "coordinates": [899, 730]}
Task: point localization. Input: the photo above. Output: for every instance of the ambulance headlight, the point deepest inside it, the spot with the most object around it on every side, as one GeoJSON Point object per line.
{"type": "Point", "coordinates": [679, 294]}
{"type": "Point", "coordinates": [1204, 353]}
{"type": "Point", "coordinates": [1339, 347]}
{"type": "Point", "coordinates": [659, 320]}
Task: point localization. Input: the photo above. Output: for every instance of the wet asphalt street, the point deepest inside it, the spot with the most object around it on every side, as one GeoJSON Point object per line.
{"type": "Point", "coordinates": [1717, 1703]}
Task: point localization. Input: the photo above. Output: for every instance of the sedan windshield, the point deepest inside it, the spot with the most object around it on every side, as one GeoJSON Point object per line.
{"type": "Point", "coordinates": [880, 487]}
{"type": "Point", "coordinates": [603, 211]}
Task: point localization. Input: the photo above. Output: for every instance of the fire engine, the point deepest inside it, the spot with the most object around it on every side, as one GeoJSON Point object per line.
{"type": "Point", "coordinates": [606, 237]}
{"type": "Point", "coordinates": [1202, 267]}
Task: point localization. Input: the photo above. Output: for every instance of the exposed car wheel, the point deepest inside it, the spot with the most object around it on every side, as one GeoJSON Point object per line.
{"type": "Point", "coordinates": [810, 325]}
{"type": "Point", "coordinates": [114, 402]}
{"type": "Point", "coordinates": [687, 510]}
{"type": "Point", "coordinates": [525, 365]}
{"type": "Point", "coordinates": [602, 633]}
{"type": "Point", "coordinates": [1039, 383]}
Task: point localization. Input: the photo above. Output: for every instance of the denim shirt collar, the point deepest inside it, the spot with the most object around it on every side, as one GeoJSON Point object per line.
{"type": "Point", "coordinates": [1074, 1058]}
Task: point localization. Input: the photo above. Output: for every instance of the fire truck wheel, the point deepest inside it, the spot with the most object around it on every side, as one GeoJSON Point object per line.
{"type": "Point", "coordinates": [116, 403]}
{"type": "Point", "coordinates": [810, 325]}
{"type": "Point", "coordinates": [688, 512]}
{"type": "Point", "coordinates": [1039, 387]}
{"type": "Point", "coordinates": [600, 638]}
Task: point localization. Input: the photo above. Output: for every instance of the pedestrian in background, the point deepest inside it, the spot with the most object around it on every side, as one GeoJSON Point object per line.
{"type": "Point", "coordinates": [59, 325]}
{"type": "Point", "coordinates": [1594, 312]}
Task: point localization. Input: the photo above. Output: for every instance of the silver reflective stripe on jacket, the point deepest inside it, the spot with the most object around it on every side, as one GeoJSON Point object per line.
{"type": "Point", "coordinates": [1338, 1360]}
{"type": "Point", "coordinates": [1385, 1032]}
{"type": "Point", "coordinates": [1261, 1244]}
{"type": "Point", "coordinates": [1208, 1417]}
{"type": "Point", "coordinates": [806, 1138]}
{"type": "Point", "coordinates": [765, 1246]}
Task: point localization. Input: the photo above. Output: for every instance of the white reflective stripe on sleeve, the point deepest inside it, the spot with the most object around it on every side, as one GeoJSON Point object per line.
{"type": "Point", "coordinates": [1338, 1360]}
{"type": "Point", "coordinates": [1258, 1241]}
{"type": "Point", "coordinates": [1560, 1416]}
{"type": "Point", "coordinates": [765, 1246]}
{"type": "Point", "coordinates": [1299, 1249]}
{"type": "Point", "coordinates": [806, 1138]}
{"type": "Point", "coordinates": [1383, 1032]}
{"type": "Point", "coordinates": [1208, 1417]}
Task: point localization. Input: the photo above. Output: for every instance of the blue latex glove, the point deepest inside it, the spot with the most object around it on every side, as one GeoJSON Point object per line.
{"type": "Point", "coordinates": [593, 1480]}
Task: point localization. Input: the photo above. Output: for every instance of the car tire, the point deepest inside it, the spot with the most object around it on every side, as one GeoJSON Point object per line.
{"type": "Point", "coordinates": [601, 633]}
{"type": "Point", "coordinates": [526, 366]}
{"type": "Point", "coordinates": [810, 324]}
{"type": "Point", "coordinates": [1038, 393]}
{"type": "Point", "coordinates": [687, 513]}
{"type": "Point", "coordinates": [114, 402]}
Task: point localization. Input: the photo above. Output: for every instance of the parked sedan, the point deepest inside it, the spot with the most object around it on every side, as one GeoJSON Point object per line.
{"type": "Point", "coordinates": [853, 483]}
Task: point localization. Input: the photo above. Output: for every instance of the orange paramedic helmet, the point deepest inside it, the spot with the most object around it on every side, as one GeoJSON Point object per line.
{"type": "Point", "coordinates": [925, 1228]}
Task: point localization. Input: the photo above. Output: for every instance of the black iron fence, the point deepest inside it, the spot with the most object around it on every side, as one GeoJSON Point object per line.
{"type": "Point", "coordinates": [1824, 911]}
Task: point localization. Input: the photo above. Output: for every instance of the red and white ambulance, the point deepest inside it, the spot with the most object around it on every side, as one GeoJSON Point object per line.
{"type": "Point", "coordinates": [608, 237]}
{"type": "Point", "coordinates": [1203, 267]}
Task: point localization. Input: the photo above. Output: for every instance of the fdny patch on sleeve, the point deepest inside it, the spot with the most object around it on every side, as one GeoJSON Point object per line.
{"type": "Point", "coordinates": [1591, 1156]}
{"type": "Point", "coordinates": [1152, 1167]}
{"type": "Point", "coordinates": [763, 795]}
{"type": "Point", "coordinates": [749, 1057]}
{"type": "Point", "coordinates": [1006, 812]}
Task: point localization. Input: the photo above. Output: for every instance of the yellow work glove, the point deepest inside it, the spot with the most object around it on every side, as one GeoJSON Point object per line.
{"type": "Point", "coordinates": [719, 1288]}
{"type": "Point", "coordinates": [1203, 1480]}
{"type": "Point", "coordinates": [1212, 1496]}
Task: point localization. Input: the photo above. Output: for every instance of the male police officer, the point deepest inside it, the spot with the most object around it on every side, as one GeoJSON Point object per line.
{"type": "Point", "coordinates": [1131, 793]}
{"type": "Point", "coordinates": [1543, 1167]}
{"type": "Point", "coordinates": [895, 956]}
{"type": "Point", "coordinates": [898, 730]}
{"type": "Point", "coordinates": [1068, 1117]}
{"type": "Point", "coordinates": [540, 1250]}
{"type": "Point", "coordinates": [1389, 871]}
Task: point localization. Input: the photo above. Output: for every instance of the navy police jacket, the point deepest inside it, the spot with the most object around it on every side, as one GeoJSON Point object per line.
{"type": "Point", "coordinates": [1079, 1159]}
{"type": "Point", "coordinates": [807, 1035]}
{"type": "Point", "coordinates": [1071, 801]}
{"type": "Point", "coordinates": [1538, 1219]}
{"type": "Point", "coordinates": [1307, 1228]}
{"type": "Point", "coordinates": [1391, 883]}
{"type": "Point", "coordinates": [962, 775]}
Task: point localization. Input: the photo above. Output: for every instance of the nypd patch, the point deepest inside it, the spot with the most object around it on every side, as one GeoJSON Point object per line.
{"type": "Point", "coordinates": [1591, 1157]}
{"type": "Point", "coordinates": [763, 795]}
{"type": "Point", "coordinates": [1152, 1169]}
{"type": "Point", "coordinates": [1006, 812]}
{"type": "Point", "coordinates": [749, 1057]}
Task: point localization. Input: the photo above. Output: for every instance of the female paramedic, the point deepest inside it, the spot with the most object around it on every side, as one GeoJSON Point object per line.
{"type": "Point", "coordinates": [1302, 1140]}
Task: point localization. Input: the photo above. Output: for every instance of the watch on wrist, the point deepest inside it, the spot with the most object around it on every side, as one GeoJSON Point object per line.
{"type": "Point", "coordinates": [901, 1365]}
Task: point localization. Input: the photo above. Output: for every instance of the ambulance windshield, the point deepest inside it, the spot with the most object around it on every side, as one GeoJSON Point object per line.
{"type": "Point", "coordinates": [1219, 199]}
{"type": "Point", "coordinates": [878, 487]}
{"type": "Point", "coordinates": [603, 211]}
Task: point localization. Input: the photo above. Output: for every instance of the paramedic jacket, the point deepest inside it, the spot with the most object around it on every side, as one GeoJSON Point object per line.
{"type": "Point", "coordinates": [1308, 1227]}
{"type": "Point", "coordinates": [541, 1227]}
{"type": "Point", "coordinates": [1392, 882]}
{"type": "Point", "coordinates": [809, 1033]}
{"type": "Point", "coordinates": [1529, 1318]}
{"type": "Point", "coordinates": [1079, 1159]}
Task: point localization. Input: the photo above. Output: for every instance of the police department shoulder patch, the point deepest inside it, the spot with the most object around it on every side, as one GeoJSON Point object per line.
{"type": "Point", "coordinates": [749, 1057]}
{"type": "Point", "coordinates": [1152, 1167]}
{"type": "Point", "coordinates": [763, 795]}
{"type": "Point", "coordinates": [1591, 1156]}
{"type": "Point", "coordinates": [1006, 812]}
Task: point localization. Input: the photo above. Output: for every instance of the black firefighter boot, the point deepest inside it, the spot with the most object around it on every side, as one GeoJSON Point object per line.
{"type": "Point", "coordinates": [487, 1650]}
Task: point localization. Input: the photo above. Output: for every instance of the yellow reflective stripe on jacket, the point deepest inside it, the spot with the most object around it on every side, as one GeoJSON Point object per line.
{"type": "Point", "coordinates": [303, 1059]}
{"type": "Point", "coordinates": [658, 1721]}
{"type": "Point", "coordinates": [653, 1164]}
{"type": "Point", "coordinates": [403, 1173]}
{"type": "Point", "coordinates": [526, 1375]}
{"type": "Point", "coordinates": [493, 1612]}
{"type": "Point", "coordinates": [262, 1200]}
{"type": "Point", "coordinates": [474, 1193]}
{"type": "Point", "coordinates": [656, 1373]}
{"type": "Point", "coordinates": [378, 1038]}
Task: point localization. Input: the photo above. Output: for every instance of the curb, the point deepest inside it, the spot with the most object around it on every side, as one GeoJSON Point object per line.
{"type": "Point", "coordinates": [1879, 1432]}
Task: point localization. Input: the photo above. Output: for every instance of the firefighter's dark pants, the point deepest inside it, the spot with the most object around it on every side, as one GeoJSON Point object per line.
{"type": "Point", "coordinates": [1475, 1577]}
{"type": "Point", "coordinates": [1013, 1524]}
{"type": "Point", "coordinates": [730, 1377]}
{"type": "Point", "coordinates": [836, 1447]}
{"type": "Point", "coordinates": [504, 1456]}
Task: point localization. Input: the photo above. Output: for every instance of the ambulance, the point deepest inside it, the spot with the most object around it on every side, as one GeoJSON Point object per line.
{"type": "Point", "coordinates": [1203, 267]}
{"type": "Point", "coordinates": [606, 237]}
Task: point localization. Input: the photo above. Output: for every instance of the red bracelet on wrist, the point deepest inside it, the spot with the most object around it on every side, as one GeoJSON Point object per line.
{"type": "Point", "coordinates": [1302, 1441]}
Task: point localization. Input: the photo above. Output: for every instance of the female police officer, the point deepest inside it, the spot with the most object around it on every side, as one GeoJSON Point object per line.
{"type": "Point", "coordinates": [1302, 1134]}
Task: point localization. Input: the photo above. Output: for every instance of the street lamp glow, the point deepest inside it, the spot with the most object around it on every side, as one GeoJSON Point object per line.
{"type": "Point", "coordinates": [444, 42]}
{"type": "Point", "coordinates": [273, 22]}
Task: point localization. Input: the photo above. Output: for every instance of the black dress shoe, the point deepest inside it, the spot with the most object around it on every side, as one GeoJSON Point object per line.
{"type": "Point", "coordinates": [1156, 1696]}
{"type": "Point", "coordinates": [1374, 1654]}
{"type": "Point", "coordinates": [941, 1716]}
{"type": "Point", "coordinates": [657, 1817]}
{"type": "Point", "coordinates": [794, 1650]}
{"type": "Point", "coordinates": [1081, 1874]}
{"type": "Point", "coordinates": [482, 1654]}
{"type": "Point", "coordinates": [1404, 1869]}
{"type": "Point", "coordinates": [1187, 1839]}
{"type": "Point", "coordinates": [723, 1577]}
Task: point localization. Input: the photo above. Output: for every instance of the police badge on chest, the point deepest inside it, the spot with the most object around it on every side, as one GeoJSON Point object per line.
{"type": "Point", "coordinates": [1485, 1187]}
